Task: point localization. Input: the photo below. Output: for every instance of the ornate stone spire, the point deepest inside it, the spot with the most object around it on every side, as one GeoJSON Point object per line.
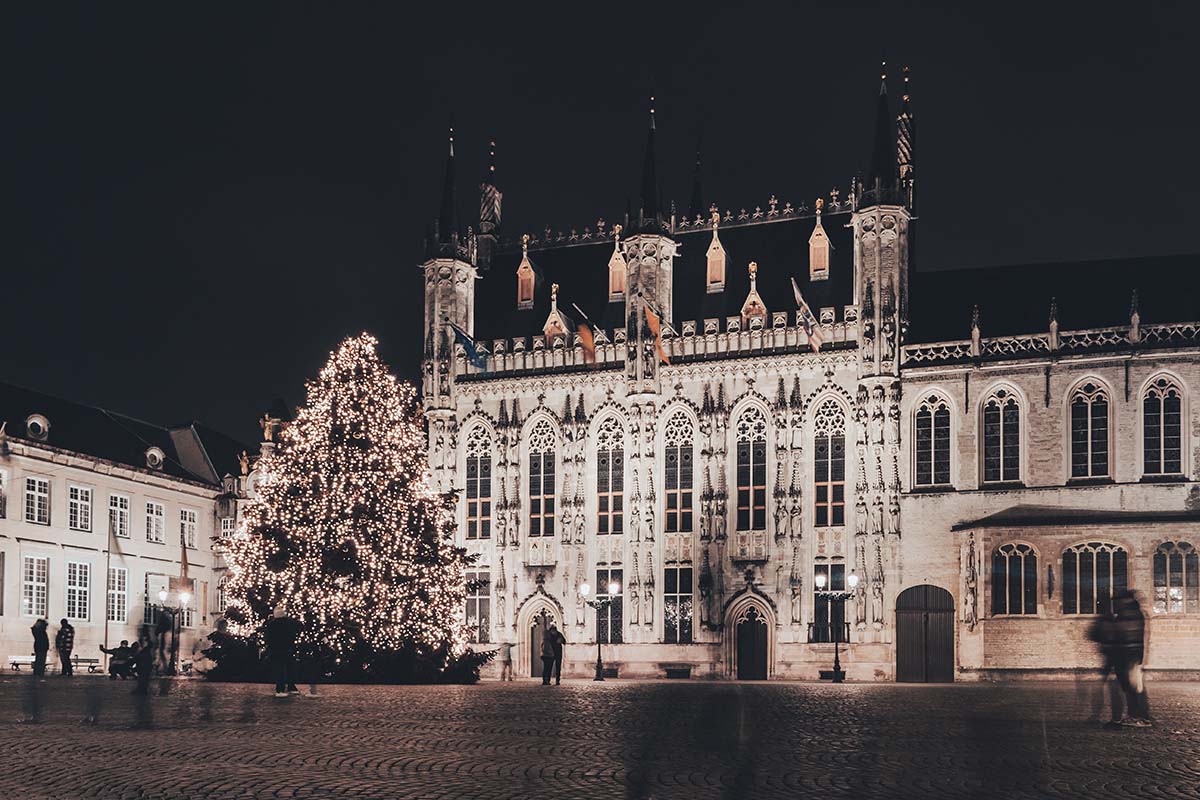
{"type": "Point", "coordinates": [882, 177]}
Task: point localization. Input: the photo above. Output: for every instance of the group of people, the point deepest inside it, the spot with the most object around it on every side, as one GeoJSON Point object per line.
{"type": "Point", "coordinates": [1121, 636]}
{"type": "Point", "coordinates": [552, 656]}
{"type": "Point", "coordinates": [64, 643]}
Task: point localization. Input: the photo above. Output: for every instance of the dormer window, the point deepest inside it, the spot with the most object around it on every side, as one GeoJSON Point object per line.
{"type": "Point", "coordinates": [715, 279]}
{"type": "Point", "coordinates": [617, 268]}
{"type": "Point", "coordinates": [155, 458]}
{"type": "Point", "coordinates": [37, 427]}
{"type": "Point", "coordinates": [754, 307]}
{"type": "Point", "coordinates": [525, 277]}
{"type": "Point", "coordinates": [818, 249]}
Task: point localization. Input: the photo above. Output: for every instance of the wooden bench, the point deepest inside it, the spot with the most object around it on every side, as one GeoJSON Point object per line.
{"type": "Point", "coordinates": [92, 664]}
{"type": "Point", "coordinates": [16, 662]}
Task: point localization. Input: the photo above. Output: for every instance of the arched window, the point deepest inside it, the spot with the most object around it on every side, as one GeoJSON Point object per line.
{"type": "Point", "coordinates": [1089, 431]}
{"type": "Point", "coordinates": [829, 469]}
{"type": "Point", "coordinates": [932, 466]}
{"type": "Point", "coordinates": [610, 477]}
{"type": "Point", "coordinates": [479, 605]}
{"type": "Point", "coordinates": [222, 594]}
{"type": "Point", "coordinates": [677, 439]}
{"type": "Point", "coordinates": [1162, 439]}
{"type": "Point", "coordinates": [1001, 437]}
{"type": "Point", "coordinates": [1092, 573]}
{"type": "Point", "coordinates": [479, 483]}
{"type": "Point", "coordinates": [1176, 579]}
{"type": "Point", "coordinates": [543, 445]}
{"type": "Point", "coordinates": [752, 470]}
{"type": "Point", "coordinates": [1014, 579]}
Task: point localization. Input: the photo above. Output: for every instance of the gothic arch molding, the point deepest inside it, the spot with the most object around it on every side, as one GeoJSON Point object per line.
{"type": "Point", "coordinates": [533, 604]}
{"type": "Point", "coordinates": [736, 610]}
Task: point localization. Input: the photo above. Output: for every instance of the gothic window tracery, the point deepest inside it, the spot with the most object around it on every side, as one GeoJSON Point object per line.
{"type": "Point", "coordinates": [1176, 579]}
{"type": "Point", "coordinates": [543, 446]}
{"type": "Point", "coordinates": [1014, 579]}
{"type": "Point", "coordinates": [678, 464]}
{"type": "Point", "coordinates": [677, 605]}
{"type": "Point", "coordinates": [479, 483]}
{"type": "Point", "coordinates": [751, 434]}
{"type": "Point", "coordinates": [479, 605]}
{"type": "Point", "coordinates": [829, 469]}
{"type": "Point", "coordinates": [610, 476]}
{"type": "Point", "coordinates": [1162, 434]}
{"type": "Point", "coordinates": [1089, 431]}
{"type": "Point", "coordinates": [1001, 437]}
{"type": "Point", "coordinates": [932, 427]}
{"type": "Point", "coordinates": [1092, 573]}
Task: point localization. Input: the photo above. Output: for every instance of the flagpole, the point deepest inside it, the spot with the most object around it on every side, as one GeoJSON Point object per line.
{"type": "Point", "coordinates": [107, 589]}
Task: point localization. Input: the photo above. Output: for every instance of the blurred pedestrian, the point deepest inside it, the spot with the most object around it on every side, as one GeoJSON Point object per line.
{"type": "Point", "coordinates": [1103, 632]}
{"type": "Point", "coordinates": [120, 661]}
{"type": "Point", "coordinates": [64, 642]}
{"type": "Point", "coordinates": [557, 640]}
{"type": "Point", "coordinates": [164, 626]}
{"type": "Point", "coordinates": [143, 667]}
{"type": "Point", "coordinates": [280, 636]}
{"type": "Point", "coordinates": [504, 656]}
{"type": "Point", "coordinates": [1129, 651]}
{"type": "Point", "coordinates": [547, 658]}
{"type": "Point", "coordinates": [41, 646]}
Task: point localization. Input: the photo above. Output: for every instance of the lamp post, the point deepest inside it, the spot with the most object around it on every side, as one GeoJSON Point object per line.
{"type": "Point", "coordinates": [599, 603]}
{"type": "Point", "coordinates": [831, 594]}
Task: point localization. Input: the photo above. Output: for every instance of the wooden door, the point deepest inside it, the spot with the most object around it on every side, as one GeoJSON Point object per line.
{"type": "Point", "coordinates": [925, 635]}
{"type": "Point", "coordinates": [537, 632]}
{"type": "Point", "coordinates": [752, 647]}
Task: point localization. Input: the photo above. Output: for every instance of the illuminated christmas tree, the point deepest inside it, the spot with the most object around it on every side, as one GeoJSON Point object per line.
{"type": "Point", "coordinates": [346, 534]}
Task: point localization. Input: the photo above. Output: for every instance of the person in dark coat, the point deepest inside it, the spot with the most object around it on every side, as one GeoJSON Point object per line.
{"type": "Point", "coordinates": [64, 642]}
{"type": "Point", "coordinates": [41, 646]}
{"type": "Point", "coordinates": [120, 663]}
{"type": "Point", "coordinates": [557, 640]}
{"type": "Point", "coordinates": [143, 661]}
{"type": "Point", "coordinates": [280, 634]}
{"type": "Point", "coordinates": [547, 658]}
{"type": "Point", "coordinates": [1129, 648]}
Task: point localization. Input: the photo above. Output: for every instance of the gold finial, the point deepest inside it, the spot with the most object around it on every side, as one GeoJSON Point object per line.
{"type": "Point", "coordinates": [753, 270]}
{"type": "Point", "coordinates": [716, 218]}
{"type": "Point", "coordinates": [524, 244]}
{"type": "Point", "coordinates": [883, 70]}
{"type": "Point", "coordinates": [617, 231]}
{"type": "Point", "coordinates": [554, 293]}
{"type": "Point", "coordinates": [820, 204]}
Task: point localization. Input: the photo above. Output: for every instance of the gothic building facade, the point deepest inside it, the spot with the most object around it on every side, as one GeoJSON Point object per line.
{"type": "Point", "coordinates": [976, 460]}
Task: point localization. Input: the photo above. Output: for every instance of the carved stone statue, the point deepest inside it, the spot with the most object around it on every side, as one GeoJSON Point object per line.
{"type": "Point", "coordinates": [877, 603]}
{"type": "Point", "coordinates": [648, 591]}
{"type": "Point", "coordinates": [860, 515]}
{"type": "Point", "coordinates": [893, 427]}
{"type": "Point", "coordinates": [796, 607]}
{"type": "Point", "coordinates": [501, 528]}
{"type": "Point", "coordinates": [971, 585]}
{"type": "Point", "coordinates": [244, 463]}
{"type": "Point", "coordinates": [860, 606]}
{"type": "Point", "coordinates": [875, 426]}
{"type": "Point", "coordinates": [270, 426]}
{"type": "Point", "coordinates": [894, 515]}
{"type": "Point", "coordinates": [877, 515]}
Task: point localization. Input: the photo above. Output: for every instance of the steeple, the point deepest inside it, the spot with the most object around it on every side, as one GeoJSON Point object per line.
{"type": "Point", "coordinates": [490, 198]}
{"type": "Point", "coordinates": [448, 215]}
{"type": "Point", "coordinates": [905, 142]}
{"type": "Point", "coordinates": [881, 179]}
{"type": "Point", "coordinates": [696, 207]}
{"type": "Point", "coordinates": [650, 212]}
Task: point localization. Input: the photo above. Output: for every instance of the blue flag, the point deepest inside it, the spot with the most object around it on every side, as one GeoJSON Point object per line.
{"type": "Point", "coordinates": [476, 356]}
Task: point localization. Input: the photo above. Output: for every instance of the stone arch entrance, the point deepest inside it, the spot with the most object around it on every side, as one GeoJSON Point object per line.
{"type": "Point", "coordinates": [750, 638]}
{"type": "Point", "coordinates": [925, 635]}
{"type": "Point", "coordinates": [535, 617]}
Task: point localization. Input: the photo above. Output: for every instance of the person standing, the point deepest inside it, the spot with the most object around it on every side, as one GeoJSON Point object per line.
{"type": "Point", "coordinates": [1129, 652]}
{"type": "Point", "coordinates": [557, 640]}
{"type": "Point", "coordinates": [41, 646]}
{"type": "Point", "coordinates": [504, 656]}
{"type": "Point", "coordinates": [280, 637]}
{"type": "Point", "coordinates": [547, 658]}
{"type": "Point", "coordinates": [64, 642]}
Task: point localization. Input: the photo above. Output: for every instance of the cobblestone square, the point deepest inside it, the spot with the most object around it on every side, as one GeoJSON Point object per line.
{"type": "Point", "coordinates": [619, 739]}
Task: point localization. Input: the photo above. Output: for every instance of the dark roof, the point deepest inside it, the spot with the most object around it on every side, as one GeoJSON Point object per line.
{"type": "Point", "coordinates": [780, 248]}
{"type": "Point", "coordinates": [194, 451]}
{"type": "Point", "coordinates": [1016, 300]}
{"type": "Point", "coordinates": [1021, 515]}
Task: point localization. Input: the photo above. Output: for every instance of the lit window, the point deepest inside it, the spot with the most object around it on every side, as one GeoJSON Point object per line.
{"type": "Point", "coordinates": [79, 582]}
{"type": "Point", "coordinates": [1014, 580]}
{"type": "Point", "coordinates": [35, 585]}
{"type": "Point", "coordinates": [118, 515]}
{"type": "Point", "coordinates": [1176, 579]}
{"type": "Point", "coordinates": [1089, 432]}
{"type": "Point", "coordinates": [543, 444]}
{"type": "Point", "coordinates": [228, 527]}
{"type": "Point", "coordinates": [79, 508]}
{"type": "Point", "coordinates": [609, 618]}
{"type": "Point", "coordinates": [932, 442]}
{"type": "Point", "coordinates": [187, 527]}
{"type": "Point", "coordinates": [1001, 438]}
{"type": "Point", "coordinates": [678, 457]}
{"type": "Point", "coordinates": [155, 522]}
{"type": "Point", "coordinates": [829, 467]}
{"type": "Point", "coordinates": [1162, 435]}
{"type": "Point", "coordinates": [1092, 573]}
{"type": "Point", "coordinates": [610, 477]}
{"type": "Point", "coordinates": [37, 501]}
{"type": "Point", "coordinates": [752, 470]}
{"type": "Point", "coordinates": [479, 484]}
{"type": "Point", "coordinates": [677, 605]}
{"type": "Point", "coordinates": [479, 603]}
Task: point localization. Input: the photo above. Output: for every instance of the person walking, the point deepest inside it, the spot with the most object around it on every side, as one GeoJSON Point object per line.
{"type": "Point", "coordinates": [1129, 651]}
{"type": "Point", "coordinates": [280, 637]}
{"type": "Point", "coordinates": [41, 646]}
{"type": "Point", "coordinates": [547, 658]}
{"type": "Point", "coordinates": [64, 642]}
{"type": "Point", "coordinates": [557, 641]}
{"type": "Point", "coordinates": [504, 656]}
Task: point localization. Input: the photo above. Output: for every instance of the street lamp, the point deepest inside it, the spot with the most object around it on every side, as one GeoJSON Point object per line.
{"type": "Point", "coordinates": [851, 579]}
{"type": "Point", "coordinates": [599, 604]}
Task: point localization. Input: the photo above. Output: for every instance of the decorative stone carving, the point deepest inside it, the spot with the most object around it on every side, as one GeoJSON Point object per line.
{"type": "Point", "coordinates": [971, 579]}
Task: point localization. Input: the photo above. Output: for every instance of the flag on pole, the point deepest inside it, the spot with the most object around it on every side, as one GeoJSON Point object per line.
{"type": "Point", "coordinates": [655, 323]}
{"type": "Point", "coordinates": [476, 356]}
{"type": "Point", "coordinates": [586, 339]}
{"type": "Point", "coordinates": [807, 320]}
{"type": "Point", "coordinates": [183, 559]}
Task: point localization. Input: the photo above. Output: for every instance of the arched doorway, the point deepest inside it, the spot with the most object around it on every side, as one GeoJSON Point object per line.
{"type": "Point", "coordinates": [751, 634]}
{"type": "Point", "coordinates": [538, 625]}
{"type": "Point", "coordinates": [925, 635]}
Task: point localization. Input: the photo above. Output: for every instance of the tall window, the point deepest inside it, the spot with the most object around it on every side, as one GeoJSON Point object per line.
{"type": "Point", "coordinates": [187, 526]}
{"type": "Point", "coordinates": [117, 607]}
{"type": "Point", "coordinates": [1014, 579]}
{"type": "Point", "coordinates": [222, 594]}
{"type": "Point", "coordinates": [610, 477]}
{"type": "Point", "coordinates": [829, 467]}
{"type": "Point", "coordinates": [932, 442]}
{"type": "Point", "coordinates": [228, 527]}
{"type": "Point", "coordinates": [1001, 437]}
{"type": "Point", "coordinates": [542, 453]}
{"type": "Point", "coordinates": [479, 605]}
{"type": "Point", "coordinates": [79, 508]}
{"type": "Point", "coordinates": [1089, 432]}
{"type": "Point", "coordinates": [37, 500]}
{"type": "Point", "coordinates": [79, 584]}
{"type": "Point", "coordinates": [1162, 438]}
{"type": "Point", "coordinates": [829, 615]}
{"type": "Point", "coordinates": [1176, 579]}
{"type": "Point", "coordinates": [35, 585]}
{"type": "Point", "coordinates": [1092, 573]}
{"type": "Point", "coordinates": [151, 605]}
{"type": "Point", "coordinates": [752, 470]}
{"type": "Point", "coordinates": [479, 483]}
{"type": "Point", "coordinates": [608, 619]}
{"type": "Point", "coordinates": [678, 438]}
{"type": "Point", "coordinates": [118, 515]}
{"type": "Point", "coordinates": [677, 605]}
{"type": "Point", "coordinates": [156, 516]}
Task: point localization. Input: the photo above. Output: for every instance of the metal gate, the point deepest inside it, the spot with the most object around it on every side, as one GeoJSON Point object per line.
{"type": "Point", "coordinates": [925, 635]}
{"type": "Point", "coordinates": [752, 647]}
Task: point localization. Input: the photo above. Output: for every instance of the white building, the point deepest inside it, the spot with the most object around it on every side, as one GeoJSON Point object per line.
{"type": "Point", "coordinates": [97, 512]}
{"type": "Point", "coordinates": [989, 482]}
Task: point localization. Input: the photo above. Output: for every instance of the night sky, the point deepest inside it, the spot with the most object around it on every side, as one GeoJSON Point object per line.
{"type": "Point", "coordinates": [202, 200]}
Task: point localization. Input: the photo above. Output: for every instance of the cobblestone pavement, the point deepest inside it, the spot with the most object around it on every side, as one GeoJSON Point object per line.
{"type": "Point", "coordinates": [618, 739]}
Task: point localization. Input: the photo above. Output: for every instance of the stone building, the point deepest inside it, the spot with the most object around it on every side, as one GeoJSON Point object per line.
{"type": "Point", "coordinates": [98, 512]}
{"type": "Point", "coordinates": [977, 458]}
